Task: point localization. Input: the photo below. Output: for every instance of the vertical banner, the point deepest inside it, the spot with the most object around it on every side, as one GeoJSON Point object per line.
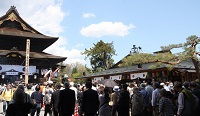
{"type": "Point", "coordinates": [27, 60]}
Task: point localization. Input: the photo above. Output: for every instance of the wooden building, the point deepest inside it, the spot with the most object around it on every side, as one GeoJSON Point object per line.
{"type": "Point", "coordinates": [184, 71]}
{"type": "Point", "coordinates": [14, 32]}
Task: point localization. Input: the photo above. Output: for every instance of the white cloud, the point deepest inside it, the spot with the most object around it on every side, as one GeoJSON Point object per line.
{"type": "Point", "coordinates": [73, 55]}
{"type": "Point", "coordinates": [88, 15]}
{"type": "Point", "coordinates": [46, 17]}
{"type": "Point", "coordinates": [106, 28]}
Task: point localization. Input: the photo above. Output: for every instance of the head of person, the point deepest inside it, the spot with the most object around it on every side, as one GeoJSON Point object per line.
{"type": "Point", "coordinates": [156, 85]}
{"type": "Point", "coordinates": [8, 86]}
{"type": "Point", "coordinates": [142, 86]}
{"type": "Point", "coordinates": [162, 93]}
{"type": "Point", "coordinates": [124, 86]}
{"type": "Point", "coordinates": [136, 89]}
{"type": "Point", "coordinates": [21, 87]}
{"type": "Point", "coordinates": [88, 84]}
{"type": "Point", "coordinates": [116, 88]}
{"type": "Point", "coordinates": [57, 86]}
{"type": "Point", "coordinates": [178, 86]}
{"type": "Point", "coordinates": [186, 84]}
{"type": "Point", "coordinates": [19, 96]}
{"type": "Point", "coordinates": [67, 85]}
{"type": "Point", "coordinates": [37, 88]}
{"type": "Point", "coordinates": [149, 82]}
{"type": "Point", "coordinates": [193, 84]}
{"type": "Point", "coordinates": [29, 86]}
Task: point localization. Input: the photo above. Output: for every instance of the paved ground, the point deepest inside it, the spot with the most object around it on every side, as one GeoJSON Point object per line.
{"type": "Point", "coordinates": [1, 110]}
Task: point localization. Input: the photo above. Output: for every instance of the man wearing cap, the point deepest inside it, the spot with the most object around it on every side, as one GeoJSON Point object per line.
{"type": "Point", "coordinates": [114, 99]}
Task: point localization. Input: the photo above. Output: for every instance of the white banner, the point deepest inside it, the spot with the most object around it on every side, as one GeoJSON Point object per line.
{"type": "Point", "coordinates": [14, 69]}
{"type": "Point", "coordinates": [139, 75]}
{"type": "Point", "coordinates": [116, 77]}
{"type": "Point", "coordinates": [97, 79]}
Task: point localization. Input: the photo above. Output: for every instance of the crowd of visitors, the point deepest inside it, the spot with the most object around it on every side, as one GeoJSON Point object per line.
{"type": "Point", "coordinates": [150, 98]}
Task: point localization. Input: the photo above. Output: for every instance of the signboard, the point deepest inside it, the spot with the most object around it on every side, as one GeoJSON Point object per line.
{"type": "Point", "coordinates": [139, 75]}
{"type": "Point", "coordinates": [116, 77]}
{"type": "Point", "coordinates": [15, 69]}
{"type": "Point", "coordinates": [97, 79]}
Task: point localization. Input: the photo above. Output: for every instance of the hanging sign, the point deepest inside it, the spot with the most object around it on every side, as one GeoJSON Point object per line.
{"type": "Point", "coordinates": [139, 75]}
{"type": "Point", "coordinates": [116, 77]}
{"type": "Point", "coordinates": [97, 79]}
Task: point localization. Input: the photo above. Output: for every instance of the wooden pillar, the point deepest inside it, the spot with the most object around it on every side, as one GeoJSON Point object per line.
{"type": "Point", "coordinates": [27, 60]}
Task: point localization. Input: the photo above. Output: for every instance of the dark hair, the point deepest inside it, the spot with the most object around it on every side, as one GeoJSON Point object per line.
{"type": "Point", "coordinates": [29, 86]}
{"type": "Point", "coordinates": [66, 84]}
{"type": "Point", "coordinates": [88, 84]}
{"type": "Point", "coordinates": [21, 87]}
{"type": "Point", "coordinates": [177, 85]}
{"type": "Point", "coordinates": [58, 86]}
{"type": "Point", "coordinates": [106, 94]}
{"type": "Point", "coordinates": [37, 88]}
{"type": "Point", "coordinates": [19, 96]}
{"type": "Point", "coordinates": [149, 82]}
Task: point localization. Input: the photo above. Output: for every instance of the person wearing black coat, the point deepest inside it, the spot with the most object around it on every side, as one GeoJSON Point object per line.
{"type": "Point", "coordinates": [55, 100]}
{"type": "Point", "coordinates": [90, 101]}
{"type": "Point", "coordinates": [124, 101]}
{"type": "Point", "coordinates": [67, 101]}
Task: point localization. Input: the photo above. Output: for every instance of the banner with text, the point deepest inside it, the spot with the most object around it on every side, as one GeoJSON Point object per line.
{"type": "Point", "coordinates": [139, 75]}
{"type": "Point", "coordinates": [116, 77]}
{"type": "Point", "coordinates": [97, 79]}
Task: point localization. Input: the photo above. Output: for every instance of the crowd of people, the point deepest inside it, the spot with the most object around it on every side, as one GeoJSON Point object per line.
{"type": "Point", "coordinates": [150, 98]}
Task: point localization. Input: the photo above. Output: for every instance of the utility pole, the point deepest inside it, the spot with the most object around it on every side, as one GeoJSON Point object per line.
{"type": "Point", "coordinates": [27, 60]}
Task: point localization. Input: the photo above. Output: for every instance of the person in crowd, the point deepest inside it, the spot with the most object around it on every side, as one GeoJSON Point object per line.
{"type": "Point", "coordinates": [55, 99]}
{"type": "Point", "coordinates": [187, 101]}
{"type": "Point", "coordinates": [90, 101]}
{"type": "Point", "coordinates": [19, 107]}
{"type": "Point", "coordinates": [29, 90]}
{"type": "Point", "coordinates": [80, 97]}
{"type": "Point", "coordinates": [196, 92]}
{"type": "Point", "coordinates": [155, 98]}
{"type": "Point", "coordinates": [7, 95]}
{"type": "Point", "coordinates": [186, 85]}
{"type": "Point", "coordinates": [37, 97]}
{"type": "Point", "coordinates": [130, 89]}
{"type": "Point", "coordinates": [149, 88]}
{"type": "Point", "coordinates": [47, 101]}
{"type": "Point", "coordinates": [104, 108]}
{"type": "Point", "coordinates": [124, 101]}
{"type": "Point", "coordinates": [67, 101]}
{"type": "Point", "coordinates": [27, 98]}
{"type": "Point", "coordinates": [72, 87]}
{"type": "Point", "coordinates": [166, 107]}
{"type": "Point", "coordinates": [138, 103]}
{"type": "Point", "coordinates": [100, 89]}
{"type": "Point", "coordinates": [114, 99]}
{"type": "Point", "coordinates": [146, 97]}
{"type": "Point", "coordinates": [167, 87]}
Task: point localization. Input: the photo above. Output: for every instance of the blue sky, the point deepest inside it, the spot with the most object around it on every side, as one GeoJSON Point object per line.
{"type": "Point", "coordinates": [81, 23]}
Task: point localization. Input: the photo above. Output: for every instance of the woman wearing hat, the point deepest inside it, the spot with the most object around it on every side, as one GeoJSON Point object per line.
{"type": "Point", "coordinates": [114, 100]}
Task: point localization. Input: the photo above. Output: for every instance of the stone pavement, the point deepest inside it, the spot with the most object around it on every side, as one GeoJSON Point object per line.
{"type": "Point", "coordinates": [1, 110]}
